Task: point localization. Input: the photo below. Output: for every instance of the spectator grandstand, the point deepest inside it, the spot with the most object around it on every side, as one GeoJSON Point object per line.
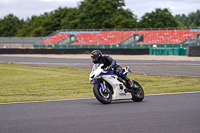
{"type": "Point", "coordinates": [129, 38]}
{"type": "Point", "coordinates": [56, 38]}
{"type": "Point", "coordinates": [175, 36]}
{"type": "Point", "coordinates": [156, 41]}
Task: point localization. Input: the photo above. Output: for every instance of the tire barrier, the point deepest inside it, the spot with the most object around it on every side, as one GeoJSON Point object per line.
{"type": "Point", "coordinates": [75, 51]}
{"type": "Point", "coordinates": [193, 51]}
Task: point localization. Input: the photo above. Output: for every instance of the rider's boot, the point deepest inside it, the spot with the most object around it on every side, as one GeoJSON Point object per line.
{"type": "Point", "coordinates": [129, 82]}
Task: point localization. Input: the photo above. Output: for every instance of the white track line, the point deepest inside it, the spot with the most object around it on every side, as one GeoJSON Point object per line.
{"type": "Point", "coordinates": [173, 93]}
{"type": "Point", "coordinates": [43, 63]}
{"type": "Point", "coordinates": [48, 101]}
{"type": "Point", "coordinates": [94, 98]}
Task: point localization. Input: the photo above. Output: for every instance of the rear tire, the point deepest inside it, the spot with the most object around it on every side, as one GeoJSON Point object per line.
{"type": "Point", "coordinates": [102, 97]}
{"type": "Point", "coordinates": [137, 96]}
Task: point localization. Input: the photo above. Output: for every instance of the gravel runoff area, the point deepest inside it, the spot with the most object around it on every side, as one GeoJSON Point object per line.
{"type": "Point", "coordinates": [124, 57]}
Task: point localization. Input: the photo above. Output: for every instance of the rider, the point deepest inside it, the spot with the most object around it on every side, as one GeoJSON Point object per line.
{"type": "Point", "coordinates": [109, 63]}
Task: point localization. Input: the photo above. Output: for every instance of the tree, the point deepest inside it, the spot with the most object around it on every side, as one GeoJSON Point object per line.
{"type": "Point", "coordinates": [124, 19]}
{"type": "Point", "coordinates": [193, 19]}
{"type": "Point", "coordinates": [70, 20]}
{"type": "Point", "coordinates": [10, 25]}
{"type": "Point", "coordinates": [180, 25]}
{"type": "Point", "coordinates": [93, 14]}
{"type": "Point", "coordinates": [39, 31]}
{"type": "Point", "coordinates": [29, 26]}
{"type": "Point", "coordinates": [158, 19]}
{"type": "Point", "coordinates": [102, 13]}
{"type": "Point", "coordinates": [25, 30]}
{"type": "Point", "coordinates": [52, 21]}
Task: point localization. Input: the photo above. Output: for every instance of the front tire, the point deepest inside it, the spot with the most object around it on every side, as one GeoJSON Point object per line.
{"type": "Point", "coordinates": [138, 95]}
{"type": "Point", "coordinates": [103, 97]}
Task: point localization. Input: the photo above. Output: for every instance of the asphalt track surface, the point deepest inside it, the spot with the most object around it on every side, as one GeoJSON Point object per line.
{"type": "Point", "coordinates": [172, 113]}
{"type": "Point", "coordinates": [165, 67]}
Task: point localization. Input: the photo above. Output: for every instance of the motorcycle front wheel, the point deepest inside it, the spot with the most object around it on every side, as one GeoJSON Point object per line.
{"type": "Point", "coordinates": [138, 94]}
{"type": "Point", "coordinates": [104, 97]}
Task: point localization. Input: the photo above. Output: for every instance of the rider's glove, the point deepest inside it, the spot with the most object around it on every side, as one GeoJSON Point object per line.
{"type": "Point", "coordinates": [107, 69]}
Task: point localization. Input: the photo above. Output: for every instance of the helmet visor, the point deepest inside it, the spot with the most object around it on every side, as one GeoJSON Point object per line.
{"type": "Point", "coordinates": [95, 59]}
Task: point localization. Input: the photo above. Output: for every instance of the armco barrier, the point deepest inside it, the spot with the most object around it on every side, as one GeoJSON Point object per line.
{"type": "Point", "coordinates": [118, 46]}
{"type": "Point", "coordinates": [193, 51]}
{"type": "Point", "coordinates": [168, 51]}
{"type": "Point", "coordinates": [75, 51]}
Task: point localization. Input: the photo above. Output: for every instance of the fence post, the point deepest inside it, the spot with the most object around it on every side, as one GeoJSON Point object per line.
{"type": "Point", "coordinates": [123, 45]}
{"type": "Point", "coordinates": [101, 42]}
{"type": "Point", "coordinates": [22, 42]}
{"type": "Point", "coordinates": [189, 40]}
{"type": "Point", "coordinates": [10, 41]}
{"type": "Point", "coordinates": [165, 39]}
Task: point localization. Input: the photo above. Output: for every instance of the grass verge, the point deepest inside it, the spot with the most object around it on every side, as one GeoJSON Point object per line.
{"type": "Point", "coordinates": [20, 83]}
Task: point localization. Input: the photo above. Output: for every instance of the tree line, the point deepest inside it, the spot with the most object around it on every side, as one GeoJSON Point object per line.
{"type": "Point", "coordinates": [93, 14]}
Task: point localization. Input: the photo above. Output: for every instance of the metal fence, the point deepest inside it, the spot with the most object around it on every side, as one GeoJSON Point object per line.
{"type": "Point", "coordinates": [17, 42]}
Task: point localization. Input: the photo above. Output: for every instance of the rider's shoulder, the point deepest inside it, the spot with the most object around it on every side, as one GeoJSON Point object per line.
{"type": "Point", "coordinates": [107, 56]}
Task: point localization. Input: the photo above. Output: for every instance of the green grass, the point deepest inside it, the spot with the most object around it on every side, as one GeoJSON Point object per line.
{"type": "Point", "coordinates": [20, 83]}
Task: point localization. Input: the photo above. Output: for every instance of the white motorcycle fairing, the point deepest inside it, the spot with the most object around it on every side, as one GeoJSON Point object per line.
{"type": "Point", "coordinates": [117, 86]}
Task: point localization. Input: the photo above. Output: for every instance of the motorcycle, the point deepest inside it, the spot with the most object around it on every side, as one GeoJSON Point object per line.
{"type": "Point", "coordinates": [109, 87]}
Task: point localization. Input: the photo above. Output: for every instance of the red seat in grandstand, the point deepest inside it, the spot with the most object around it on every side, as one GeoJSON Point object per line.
{"type": "Point", "coordinates": [117, 37]}
{"type": "Point", "coordinates": [55, 39]}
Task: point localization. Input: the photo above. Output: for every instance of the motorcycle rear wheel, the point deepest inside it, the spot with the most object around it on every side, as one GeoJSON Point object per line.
{"type": "Point", "coordinates": [102, 97]}
{"type": "Point", "coordinates": [138, 95]}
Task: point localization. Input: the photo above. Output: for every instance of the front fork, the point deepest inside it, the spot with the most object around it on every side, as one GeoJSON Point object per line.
{"type": "Point", "coordinates": [103, 85]}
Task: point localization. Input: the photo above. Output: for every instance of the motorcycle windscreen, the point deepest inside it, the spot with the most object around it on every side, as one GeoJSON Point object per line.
{"type": "Point", "coordinates": [95, 66]}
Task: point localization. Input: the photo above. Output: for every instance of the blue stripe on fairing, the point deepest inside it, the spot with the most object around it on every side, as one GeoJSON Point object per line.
{"type": "Point", "coordinates": [106, 74]}
{"type": "Point", "coordinates": [112, 71]}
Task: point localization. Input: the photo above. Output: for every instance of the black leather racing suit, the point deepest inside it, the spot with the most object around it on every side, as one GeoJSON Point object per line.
{"type": "Point", "coordinates": [111, 63]}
